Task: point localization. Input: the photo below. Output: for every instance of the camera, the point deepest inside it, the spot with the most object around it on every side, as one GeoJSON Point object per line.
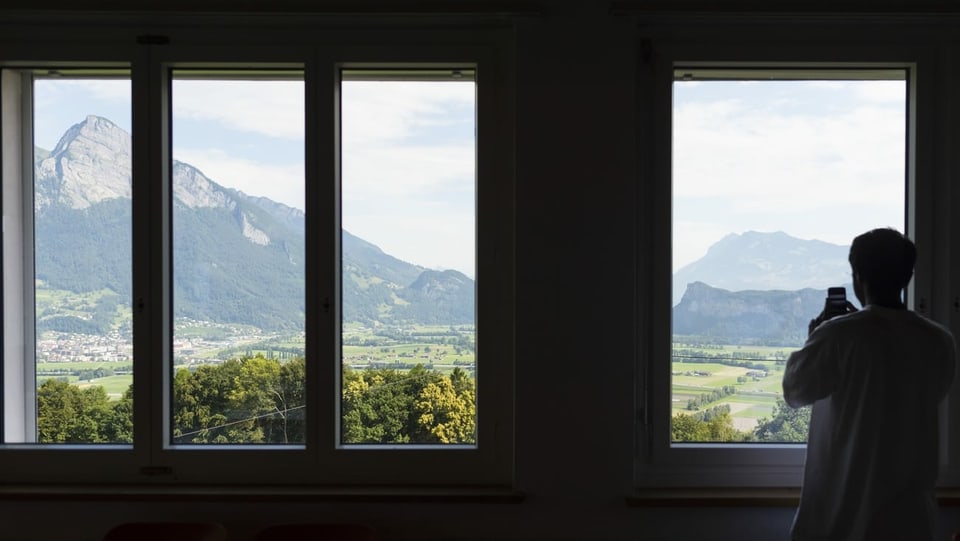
{"type": "Point", "coordinates": [836, 303]}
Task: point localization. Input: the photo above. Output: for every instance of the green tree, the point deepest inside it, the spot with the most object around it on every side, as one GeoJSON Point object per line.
{"type": "Point", "coordinates": [68, 414]}
{"type": "Point", "coordinates": [376, 406]}
{"type": "Point", "coordinates": [256, 394]}
{"type": "Point", "coordinates": [417, 406]}
{"type": "Point", "coordinates": [718, 428]}
{"type": "Point", "coordinates": [201, 406]}
{"type": "Point", "coordinates": [786, 424]}
{"type": "Point", "coordinates": [444, 415]}
{"type": "Point", "coordinates": [119, 426]}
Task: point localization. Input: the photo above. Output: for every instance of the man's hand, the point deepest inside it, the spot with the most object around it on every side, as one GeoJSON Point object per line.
{"type": "Point", "coordinates": [849, 308]}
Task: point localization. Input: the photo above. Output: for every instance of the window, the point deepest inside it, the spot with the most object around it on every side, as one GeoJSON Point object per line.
{"type": "Point", "coordinates": [238, 258]}
{"type": "Point", "coordinates": [67, 261]}
{"type": "Point", "coordinates": [286, 254]}
{"type": "Point", "coordinates": [758, 155]}
{"type": "Point", "coordinates": [408, 257]}
{"type": "Point", "coordinates": [774, 173]}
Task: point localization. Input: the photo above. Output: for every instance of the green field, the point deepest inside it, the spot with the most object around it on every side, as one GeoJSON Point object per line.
{"type": "Point", "coordinates": [86, 365]}
{"type": "Point", "coordinates": [706, 368]}
{"type": "Point", "coordinates": [113, 385]}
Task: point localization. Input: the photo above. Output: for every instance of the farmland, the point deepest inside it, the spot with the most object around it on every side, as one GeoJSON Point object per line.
{"type": "Point", "coordinates": [701, 373]}
{"type": "Point", "coordinates": [438, 347]}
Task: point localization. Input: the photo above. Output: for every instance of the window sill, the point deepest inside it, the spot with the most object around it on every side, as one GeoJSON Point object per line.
{"type": "Point", "coordinates": [742, 497]}
{"type": "Point", "coordinates": [247, 493]}
{"type": "Point", "coordinates": [715, 497]}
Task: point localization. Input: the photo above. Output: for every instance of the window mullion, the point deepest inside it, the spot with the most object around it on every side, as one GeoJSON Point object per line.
{"type": "Point", "coordinates": [151, 258]}
{"type": "Point", "coordinates": [322, 255]}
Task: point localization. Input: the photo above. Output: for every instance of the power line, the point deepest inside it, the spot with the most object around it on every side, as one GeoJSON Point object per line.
{"type": "Point", "coordinates": [231, 423]}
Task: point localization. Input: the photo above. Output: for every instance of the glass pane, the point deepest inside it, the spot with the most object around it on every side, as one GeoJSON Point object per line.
{"type": "Point", "coordinates": [408, 341]}
{"type": "Point", "coordinates": [82, 242]}
{"type": "Point", "coordinates": [238, 258]}
{"type": "Point", "coordinates": [772, 180]}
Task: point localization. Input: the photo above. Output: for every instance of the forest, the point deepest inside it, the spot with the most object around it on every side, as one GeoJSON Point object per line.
{"type": "Point", "coordinates": [257, 400]}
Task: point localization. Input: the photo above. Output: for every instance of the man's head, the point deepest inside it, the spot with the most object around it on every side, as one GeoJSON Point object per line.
{"type": "Point", "coordinates": [882, 261]}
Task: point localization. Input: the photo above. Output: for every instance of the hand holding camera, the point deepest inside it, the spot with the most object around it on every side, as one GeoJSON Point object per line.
{"type": "Point", "coordinates": [836, 304]}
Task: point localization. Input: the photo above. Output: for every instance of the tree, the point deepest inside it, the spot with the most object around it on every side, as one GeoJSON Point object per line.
{"type": "Point", "coordinates": [119, 426]}
{"type": "Point", "coordinates": [418, 406]}
{"type": "Point", "coordinates": [68, 414]}
{"type": "Point", "coordinates": [201, 407]}
{"type": "Point", "coordinates": [786, 424]}
{"type": "Point", "coordinates": [377, 405]}
{"type": "Point", "coordinates": [444, 415]}
{"type": "Point", "coordinates": [718, 428]}
{"type": "Point", "coordinates": [256, 395]}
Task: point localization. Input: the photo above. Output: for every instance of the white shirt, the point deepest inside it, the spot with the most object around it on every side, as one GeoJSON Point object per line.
{"type": "Point", "coordinates": [875, 378]}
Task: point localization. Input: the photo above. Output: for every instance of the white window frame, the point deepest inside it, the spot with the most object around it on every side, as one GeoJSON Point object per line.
{"type": "Point", "coordinates": [321, 49]}
{"type": "Point", "coordinates": [767, 44]}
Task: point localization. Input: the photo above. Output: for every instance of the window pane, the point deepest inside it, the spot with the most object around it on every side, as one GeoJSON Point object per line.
{"type": "Point", "coordinates": [408, 341]}
{"type": "Point", "coordinates": [238, 258]}
{"type": "Point", "coordinates": [773, 177]}
{"type": "Point", "coordinates": [81, 225]}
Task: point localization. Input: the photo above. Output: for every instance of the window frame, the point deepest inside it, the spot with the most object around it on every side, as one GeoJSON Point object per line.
{"type": "Point", "coordinates": [659, 462]}
{"type": "Point", "coordinates": [152, 460]}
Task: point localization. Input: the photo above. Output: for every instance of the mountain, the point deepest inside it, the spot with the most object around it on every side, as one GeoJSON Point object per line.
{"type": "Point", "coordinates": [758, 288]}
{"type": "Point", "coordinates": [237, 258]}
{"type": "Point", "coordinates": [761, 261]}
{"type": "Point", "coordinates": [775, 317]}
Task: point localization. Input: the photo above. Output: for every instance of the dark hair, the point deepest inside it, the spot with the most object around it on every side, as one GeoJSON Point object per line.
{"type": "Point", "coordinates": [883, 258]}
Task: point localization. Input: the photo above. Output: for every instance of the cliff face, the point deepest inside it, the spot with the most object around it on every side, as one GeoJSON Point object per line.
{"type": "Point", "coordinates": [237, 258]}
{"type": "Point", "coordinates": [777, 318]}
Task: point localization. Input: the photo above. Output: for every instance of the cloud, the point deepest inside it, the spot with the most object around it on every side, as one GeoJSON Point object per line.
{"type": "Point", "coordinates": [267, 107]}
{"type": "Point", "coordinates": [409, 169]}
{"type": "Point", "coordinates": [819, 165]}
{"type": "Point", "coordinates": [389, 171]}
{"type": "Point", "coordinates": [282, 183]}
{"type": "Point", "coordinates": [380, 112]}
{"type": "Point", "coordinates": [104, 89]}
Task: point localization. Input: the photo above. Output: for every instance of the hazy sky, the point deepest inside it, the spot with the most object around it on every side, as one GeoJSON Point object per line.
{"type": "Point", "coordinates": [408, 156]}
{"type": "Point", "coordinates": [815, 159]}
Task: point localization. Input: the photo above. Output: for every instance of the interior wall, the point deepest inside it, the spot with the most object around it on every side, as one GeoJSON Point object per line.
{"type": "Point", "coordinates": [576, 232]}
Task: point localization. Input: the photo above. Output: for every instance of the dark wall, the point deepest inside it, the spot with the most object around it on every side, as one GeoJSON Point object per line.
{"type": "Point", "coordinates": [576, 187]}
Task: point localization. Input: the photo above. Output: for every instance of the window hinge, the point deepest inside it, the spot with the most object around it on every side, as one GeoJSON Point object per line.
{"type": "Point", "coordinates": [154, 471]}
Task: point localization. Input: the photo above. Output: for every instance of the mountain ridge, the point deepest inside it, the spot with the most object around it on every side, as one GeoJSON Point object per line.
{"type": "Point", "coordinates": [757, 288]}
{"type": "Point", "coordinates": [231, 251]}
{"type": "Point", "coordinates": [755, 260]}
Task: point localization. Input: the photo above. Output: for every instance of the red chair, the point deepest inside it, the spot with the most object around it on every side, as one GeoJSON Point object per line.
{"type": "Point", "coordinates": [167, 531]}
{"type": "Point", "coordinates": [317, 532]}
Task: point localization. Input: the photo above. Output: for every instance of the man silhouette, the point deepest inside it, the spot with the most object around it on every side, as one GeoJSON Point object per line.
{"type": "Point", "coordinates": [876, 378]}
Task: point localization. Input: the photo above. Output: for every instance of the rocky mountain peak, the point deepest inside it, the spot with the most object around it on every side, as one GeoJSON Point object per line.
{"type": "Point", "coordinates": [756, 260]}
{"type": "Point", "coordinates": [231, 250]}
{"type": "Point", "coordinates": [91, 163]}
{"type": "Point", "coordinates": [195, 190]}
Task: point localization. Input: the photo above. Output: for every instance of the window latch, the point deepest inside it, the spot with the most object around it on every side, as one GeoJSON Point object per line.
{"type": "Point", "coordinates": [154, 471]}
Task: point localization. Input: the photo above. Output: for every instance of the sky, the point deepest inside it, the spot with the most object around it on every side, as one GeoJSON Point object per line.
{"type": "Point", "coordinates": [814, 159]}
{"type": "Point", "coordinates": [408, 150]}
